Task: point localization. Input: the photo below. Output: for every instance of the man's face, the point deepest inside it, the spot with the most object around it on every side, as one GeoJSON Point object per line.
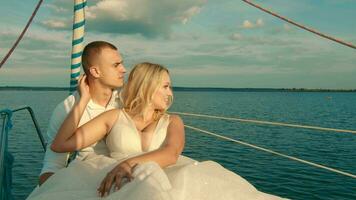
{"type": "Point", "coordinates": [111, 68]}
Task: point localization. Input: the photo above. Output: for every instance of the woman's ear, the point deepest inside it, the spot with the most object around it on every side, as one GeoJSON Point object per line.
{"type": "Point", "coordinates": [94, 71]}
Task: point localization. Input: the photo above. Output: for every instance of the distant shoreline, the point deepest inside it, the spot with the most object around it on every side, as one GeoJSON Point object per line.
{"type": "Point", "coordinates": [200, 89]}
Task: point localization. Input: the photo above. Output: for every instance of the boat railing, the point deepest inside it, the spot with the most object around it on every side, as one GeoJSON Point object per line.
{"type": "Point", "coordinates": [6, 159]}
{"type": "Point", "coordinates": [265, 149]}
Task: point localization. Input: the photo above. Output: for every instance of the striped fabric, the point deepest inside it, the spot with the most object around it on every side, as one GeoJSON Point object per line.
{"type": "Point", "coordinates": [77, 42]}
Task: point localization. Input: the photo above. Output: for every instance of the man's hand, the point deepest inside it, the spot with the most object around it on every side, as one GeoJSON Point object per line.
{"type": "Point", "coordinates": [83, 88]}
{"type": "Point", "coordinates": [43, 178]}
{"type": "Point", "coordinates": [115, 176]}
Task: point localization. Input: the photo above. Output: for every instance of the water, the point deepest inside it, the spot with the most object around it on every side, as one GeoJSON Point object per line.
{"type": "Point", "coordinates": [267, 172]}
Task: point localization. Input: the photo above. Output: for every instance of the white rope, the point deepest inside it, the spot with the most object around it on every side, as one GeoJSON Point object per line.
{"type": "Point", "coordinates": [266, 122]}
{"type": "Point", "coordinates": [301, 26]}
{"type": "Point", "coordinates": [273, 152]}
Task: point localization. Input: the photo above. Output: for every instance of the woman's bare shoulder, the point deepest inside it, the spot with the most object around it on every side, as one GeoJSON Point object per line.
{"type": "Point", "coordinates": [109, 116]}
{"type": "Point", "coordinates": [175, 119]}
{"type": "Point", "coordinates": [111, 113]}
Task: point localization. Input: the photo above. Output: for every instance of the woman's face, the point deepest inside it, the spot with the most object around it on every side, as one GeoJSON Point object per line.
{"type": "Point", "coordinates": [162, 97]}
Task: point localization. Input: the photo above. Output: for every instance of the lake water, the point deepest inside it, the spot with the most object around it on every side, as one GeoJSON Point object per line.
{"type": "Point", "coordinates": [267, 172]}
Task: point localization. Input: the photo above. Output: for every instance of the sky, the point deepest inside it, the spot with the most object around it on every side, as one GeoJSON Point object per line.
{"type": "Point", "coordinates": [204, 43]}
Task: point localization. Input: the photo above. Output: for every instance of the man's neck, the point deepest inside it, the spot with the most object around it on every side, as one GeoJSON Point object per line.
{"type": "Point", "coordinates": [100, 95]}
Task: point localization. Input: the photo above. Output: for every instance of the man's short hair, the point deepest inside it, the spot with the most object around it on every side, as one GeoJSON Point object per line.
{"type": "Point", "coordinates": [92, 52]}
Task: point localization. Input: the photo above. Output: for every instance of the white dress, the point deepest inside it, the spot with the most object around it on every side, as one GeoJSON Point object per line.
{"type": "Point", "coordinates": [186, 180]}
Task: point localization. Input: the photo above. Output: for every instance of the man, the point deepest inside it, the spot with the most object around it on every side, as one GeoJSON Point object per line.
{"type": "Point", "coordinates": [103, 65]}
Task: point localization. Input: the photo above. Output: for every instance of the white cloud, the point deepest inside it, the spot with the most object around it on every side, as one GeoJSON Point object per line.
{"type": "Point", "coordinates": [148, 18]}
{"type": "Point", "coordinates": [38, 34]}
{"type": "Point", "coordinates": [55, 23]}
{"type": "Point", "coordinates": [117, 9]}
{"type": "Point", "coordinates": [190, 13]}
{"type": "Point", "coordinates": [247, 24]}
{"type": "Point", "coordinates": [56, 8]}
{"type": "Point", "coordinates": [259, 23]}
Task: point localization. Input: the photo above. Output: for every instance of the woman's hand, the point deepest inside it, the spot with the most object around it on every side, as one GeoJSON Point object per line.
{"type": "Point", "coordinates": [83, 88]}
{"type": "Point", "coordinates": [115, 176]}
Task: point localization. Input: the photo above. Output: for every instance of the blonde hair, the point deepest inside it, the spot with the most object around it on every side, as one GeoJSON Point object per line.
{"type": "Point", "coordinates": [144, 80]}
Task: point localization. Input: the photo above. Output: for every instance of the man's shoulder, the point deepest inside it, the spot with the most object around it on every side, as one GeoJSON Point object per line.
{"type": "Point", "coordinates": [67, 103]}
{"type": "Point", "coordinates": [71, 98]}
{"type": "Point", "coordinates": [59, 114]}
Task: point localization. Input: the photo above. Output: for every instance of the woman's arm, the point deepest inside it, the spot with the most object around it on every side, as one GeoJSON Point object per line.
{"type": "Point", "coordinates": [166, 155]}
{"type": "Point", "coordinates": [70, 137]}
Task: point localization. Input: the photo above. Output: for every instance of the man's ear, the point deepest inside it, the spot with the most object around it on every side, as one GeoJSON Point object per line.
{"type": "Point", "coordinates": [94, 71]}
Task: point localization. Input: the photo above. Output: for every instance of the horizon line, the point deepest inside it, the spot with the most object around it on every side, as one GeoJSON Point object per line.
{"type": "Point", "coordinates": [185, 88]}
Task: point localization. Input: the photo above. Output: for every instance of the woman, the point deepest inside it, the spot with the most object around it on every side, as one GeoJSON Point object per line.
{"type": "Point", "coordinates": [145, 145]}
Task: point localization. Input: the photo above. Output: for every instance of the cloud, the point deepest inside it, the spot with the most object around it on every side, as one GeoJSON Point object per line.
{"type": "Point", "coordinates": [117, 9]}
{"type": "Point", "coordinates": [55, 23]}
{"type": "Point", "coordinates": [236, 36]}
{"type": "Point", "coordinates": [247, 24]}
{"type": "Point", "coordinates": [56, 8]}
{"type": "Point", "coordinates": [259, 23]}
{"type": "Point", "coordinates": [148, 18]}
{"type": "Point", "coordinates": [35, 34]}
{"type": "Point", "coordinates": [190, 13]}
{"type": "Point", "coordinates": [39, 47]}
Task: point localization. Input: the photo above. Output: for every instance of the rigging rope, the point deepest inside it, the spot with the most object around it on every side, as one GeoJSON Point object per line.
{"type": "Point", "coordinates": [273, 152]}
{"type": "Point", "coordinates": [21, 35]}
{"type": "Point", "coordinates": [301, 26]}
{"type": "Point", "coordinates": [266, 122]}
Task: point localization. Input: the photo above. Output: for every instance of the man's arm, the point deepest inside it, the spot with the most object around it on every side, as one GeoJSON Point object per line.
{"type": "Point", "coordinates": [54, 161]}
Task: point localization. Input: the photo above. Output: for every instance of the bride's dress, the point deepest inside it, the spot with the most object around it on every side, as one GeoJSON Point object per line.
{"type": "Point", "coordinates": [186, 180]}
